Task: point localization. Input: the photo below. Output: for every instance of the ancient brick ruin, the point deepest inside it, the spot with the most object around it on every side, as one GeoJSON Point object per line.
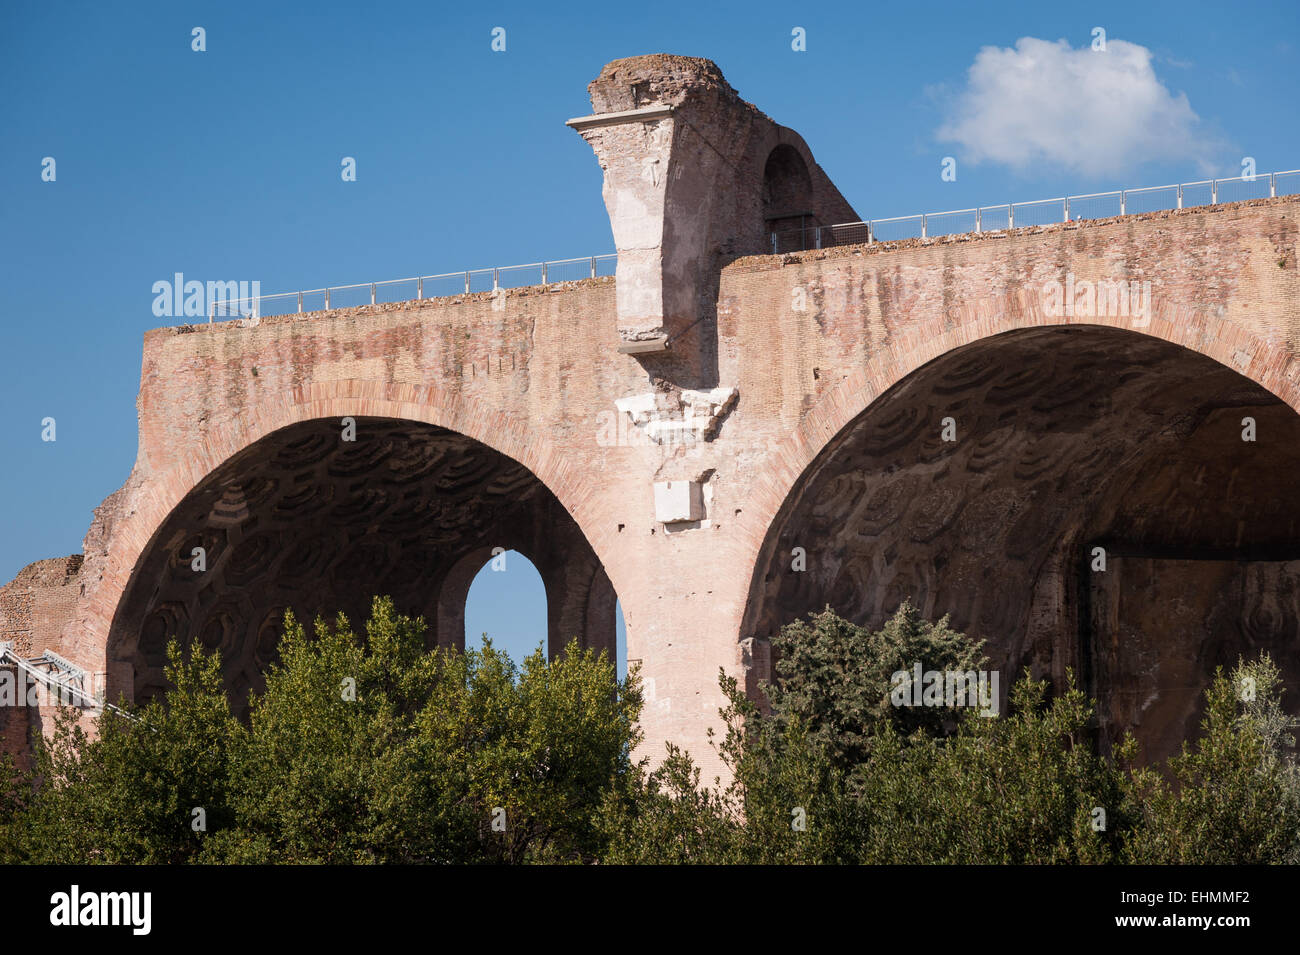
{"type": "Point", "coordinates": [671, 436]}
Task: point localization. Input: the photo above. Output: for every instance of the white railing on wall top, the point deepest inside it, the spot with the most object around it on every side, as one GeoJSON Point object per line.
{"type": "Point", "coordinates": [1097, 205]}
{"type": "Point", "coordinates": [415, 288]}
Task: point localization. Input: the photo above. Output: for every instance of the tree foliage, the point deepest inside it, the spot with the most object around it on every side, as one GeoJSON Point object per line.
{"type": "Point", "coordinates": [1025, 787]}
{"type": "Point", "coordinates": [373, 749]}
{"type": "Point", "coordinates": [129, 794]}
{"type": "Point", "coordinates": [358, 751]}
{"type": "Point", "coordinates": [834, 677]}
{"type": "Point", "coordinates": [1235, 792]}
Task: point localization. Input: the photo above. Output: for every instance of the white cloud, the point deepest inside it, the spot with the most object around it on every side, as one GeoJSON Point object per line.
{"type": "Point", "coordinates": [1089, 112]}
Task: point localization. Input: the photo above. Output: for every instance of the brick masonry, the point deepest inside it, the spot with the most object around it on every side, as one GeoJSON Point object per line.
{"type": "Point", "coordinates": [36, 607]}
{"type": "Point", "coordinates": [535, 373]}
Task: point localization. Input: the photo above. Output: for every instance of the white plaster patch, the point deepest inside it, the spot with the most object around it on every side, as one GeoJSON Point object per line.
{"type": "Point", "coordinates": [685, 417]}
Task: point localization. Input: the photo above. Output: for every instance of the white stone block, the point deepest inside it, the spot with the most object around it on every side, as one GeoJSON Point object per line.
{"type": "Point", "coordinates": [678, 501]}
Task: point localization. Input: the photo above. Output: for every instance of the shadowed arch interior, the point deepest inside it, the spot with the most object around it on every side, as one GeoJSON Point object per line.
{"type": "Point", "coordinates": [304, 519]}
{"type": "Point", "coordinates": [787, 191]}
{"type": "Point", "coordinates": [1066, 439]}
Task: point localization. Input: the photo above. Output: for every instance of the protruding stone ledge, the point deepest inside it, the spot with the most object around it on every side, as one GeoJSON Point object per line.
{"type": "Point", "coordinates": [581, 123]}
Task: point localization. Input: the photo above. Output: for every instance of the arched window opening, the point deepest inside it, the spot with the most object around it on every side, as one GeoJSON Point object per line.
{"type": "Point", "coordinates": [507, 604]}
{"type": "Point", "coordinates": [620, 639]}
{"type": "Point", "coordinates": [788, 199]}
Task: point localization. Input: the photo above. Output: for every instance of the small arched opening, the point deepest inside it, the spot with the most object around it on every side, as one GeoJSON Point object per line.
{"type": "Point", "coordinates": [787, 199]}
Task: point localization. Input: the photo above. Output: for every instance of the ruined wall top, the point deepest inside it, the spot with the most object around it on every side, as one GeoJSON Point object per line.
{"type": "Point", "coordinates": [656, 79]}
{"type": "Point", "coordinates": [694, 177]}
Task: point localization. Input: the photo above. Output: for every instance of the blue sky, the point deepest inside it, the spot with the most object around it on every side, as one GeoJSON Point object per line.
{"type": "Point", "coordinates": [225, 164]}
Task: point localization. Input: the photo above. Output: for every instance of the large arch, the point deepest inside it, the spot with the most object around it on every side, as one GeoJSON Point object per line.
{"type": "Point", "coordinates": [300, 517]}
{"type": "Point", "coordinates": [1069, 437]}
{"type": "Point", "coordinates": [1267, 362]}
{"type": "Point", "coordinates": [166, 472]}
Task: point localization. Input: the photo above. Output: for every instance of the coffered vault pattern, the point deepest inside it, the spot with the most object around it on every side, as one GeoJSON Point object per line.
{"type": "Point", "coordinates": [1067, 439]}
{"type": "Point", "coordinates": [303, 519]}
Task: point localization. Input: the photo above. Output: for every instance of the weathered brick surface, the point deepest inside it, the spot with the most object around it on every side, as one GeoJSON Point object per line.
{"type": "Point", "coordinates": [38, 603]}
{"type": "Point", "coordinates": [693, 175]}
{"type": "Point", "coordinates": [531, 379]}
{"type": "Point", "coordinates": [36, 608]}
{"type": "Point", "coordinates": [534, 374]}
{"type": "Point", "coordinates": [15, 731]}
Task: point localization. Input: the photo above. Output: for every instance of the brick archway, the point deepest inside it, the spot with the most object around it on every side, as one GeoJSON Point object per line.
{"type": "Point", "coordinates": [160, 495]}
{"type": "Point", "coordinates": [1269, 364]}
{"type": "Point", "coordinates": [1073, 435]}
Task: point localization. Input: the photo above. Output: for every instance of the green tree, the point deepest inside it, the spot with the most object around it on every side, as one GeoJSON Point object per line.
{"type": "Point", "coordinates": [787, 787]}
{"type": "Point", "coordinates": [358, 751]}
{"type": "Point", "coordinates": [834, 677]}
{"type": "Point", "coordinates": [667, 818]}
{"type": "Point", "coordinates": [784, 801]}
{"type": "Point", "coordinates": [1235, 792]}
{"type": "Point", "coordinates": [1028, 786]}
{"type": "Point", "coordinates": [15, 787]}
{"type": "Point", "coordinates": [381, 751]}
{"type": "Point", "coordinates": [141, 790]}
{"type": "Point", "coordinates": [1025, 787]}
{"type": "Point", "coordinates": [373, 749]}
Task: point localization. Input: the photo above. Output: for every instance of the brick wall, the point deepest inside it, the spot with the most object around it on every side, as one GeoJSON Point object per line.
{"type": "Point", "coordinates": [38, 604]}
{"type": "Point", "coordinates": [535, 374]}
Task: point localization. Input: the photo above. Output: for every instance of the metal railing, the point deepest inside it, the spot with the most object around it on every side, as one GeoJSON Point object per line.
{"type": "Point", "coordinates": [1098, 205]}
{"type": "Point", "coordinates": [61, 677]}
{"type": "Point", "coordinates": [416, 288]}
